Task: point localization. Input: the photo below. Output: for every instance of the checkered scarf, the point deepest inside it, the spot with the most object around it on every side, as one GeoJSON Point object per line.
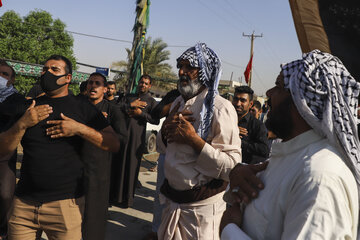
{"type": "Point", "coordinates": [6, 92]}
{"type": "Point", "coordinates": [325, 95]}
{"type": "Point", "coordinates": [209, 63]}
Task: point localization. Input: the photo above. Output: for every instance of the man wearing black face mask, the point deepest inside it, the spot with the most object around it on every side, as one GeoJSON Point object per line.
{"type": "Point", "coordinates": [49, 195]}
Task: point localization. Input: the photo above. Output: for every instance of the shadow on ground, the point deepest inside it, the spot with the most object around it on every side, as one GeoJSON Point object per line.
{"type": "Point", "coordinates": [134, 223]}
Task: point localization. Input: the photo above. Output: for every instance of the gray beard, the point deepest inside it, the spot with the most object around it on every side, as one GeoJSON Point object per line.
{"type": "Point", "coordinates": [190, 90]}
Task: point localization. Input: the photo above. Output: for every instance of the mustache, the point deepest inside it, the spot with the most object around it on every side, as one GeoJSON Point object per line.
{"type": "Point", "coordinates": [184, 78]}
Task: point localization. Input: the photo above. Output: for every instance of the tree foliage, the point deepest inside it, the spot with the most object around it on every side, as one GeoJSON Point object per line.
{"type": "Point", "coordinates": [153, 63]}
{"type": "Point", "coordinates": [33, 39]}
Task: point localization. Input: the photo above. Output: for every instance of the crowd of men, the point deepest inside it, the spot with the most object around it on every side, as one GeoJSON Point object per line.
{"type": "Point", "coordinates": [220, 175]}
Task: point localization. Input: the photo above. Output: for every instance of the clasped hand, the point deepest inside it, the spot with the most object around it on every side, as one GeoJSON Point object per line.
{"type": "Point", "coordinates": [66, 127]}
{"type": "Point", "coordinates": [178, 126]}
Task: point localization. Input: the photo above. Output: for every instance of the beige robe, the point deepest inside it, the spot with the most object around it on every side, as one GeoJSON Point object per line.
{"type": "Point", "coordinates": [185, 169]}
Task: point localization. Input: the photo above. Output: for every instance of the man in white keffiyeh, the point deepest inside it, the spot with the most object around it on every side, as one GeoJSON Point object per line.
{"type": "Point", "coordinates": [311, 182]}
{"type": "Point", "coordinates": [202, 146]}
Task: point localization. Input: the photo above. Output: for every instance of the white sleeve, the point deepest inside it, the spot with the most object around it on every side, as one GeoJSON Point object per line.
{"type": "Point", "coordinates": [218, 157]}
{"type": "Point", "coordinates": [233, 232]}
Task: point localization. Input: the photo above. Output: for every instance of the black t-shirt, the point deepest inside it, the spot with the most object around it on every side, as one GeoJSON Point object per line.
{"type": "Point", "coordinates": [35, 91]}
{"type": "Point", "coordinates": [11, 109]}
{"type": "Point", "coordinates": [52, 168]}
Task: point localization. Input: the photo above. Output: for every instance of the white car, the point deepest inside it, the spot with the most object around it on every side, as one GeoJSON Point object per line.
{"type": "Point", "coordinates": [151, 133]}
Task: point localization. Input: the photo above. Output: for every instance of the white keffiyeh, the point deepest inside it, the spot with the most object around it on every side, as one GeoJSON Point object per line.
{"type": "Point", "coordinates": [209, 64]}
{"type": "Point", "coordinates": [326, 96]}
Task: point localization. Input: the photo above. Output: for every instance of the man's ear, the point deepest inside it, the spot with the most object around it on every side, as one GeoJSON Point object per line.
{"type": "Point", "coordinates": [68, 78]}
{"type": "Point", "coordinates": [251, 104]}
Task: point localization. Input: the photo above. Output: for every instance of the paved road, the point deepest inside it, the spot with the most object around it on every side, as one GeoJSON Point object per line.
{"type": "Point", "coordinates": [134, 223]}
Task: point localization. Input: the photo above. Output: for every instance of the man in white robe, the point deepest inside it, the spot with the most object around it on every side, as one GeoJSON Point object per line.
{"type": "Point", "coordinates": [311, 181]}
{"type": "Point", "coordinates": [203, 145]}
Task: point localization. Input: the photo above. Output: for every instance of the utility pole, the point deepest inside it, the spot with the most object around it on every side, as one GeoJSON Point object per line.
{"type": "Point", "coordinates": [252, 37]}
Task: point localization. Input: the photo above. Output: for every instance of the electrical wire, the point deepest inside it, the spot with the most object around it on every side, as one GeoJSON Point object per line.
{"type": "Point", "coordinates": [91, 35]}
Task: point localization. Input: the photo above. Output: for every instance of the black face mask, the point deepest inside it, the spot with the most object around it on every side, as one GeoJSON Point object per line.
{"type": "Point", "coordinates": [48, 82]}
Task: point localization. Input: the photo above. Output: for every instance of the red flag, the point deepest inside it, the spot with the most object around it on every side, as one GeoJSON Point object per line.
{"type": "Point", "coordinates": [0, 3]}
{"type": "Point", "coordinates": [248, 70]}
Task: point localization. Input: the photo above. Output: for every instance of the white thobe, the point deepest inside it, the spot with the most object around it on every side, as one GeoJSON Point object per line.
{"type": "Point", "coordinates": [309, 194]}
{"type": "Point", "coordinates": [185, 169]}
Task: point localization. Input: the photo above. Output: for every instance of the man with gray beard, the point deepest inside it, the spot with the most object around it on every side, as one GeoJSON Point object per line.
{"type": "Point", "coordinates": [202, 145]}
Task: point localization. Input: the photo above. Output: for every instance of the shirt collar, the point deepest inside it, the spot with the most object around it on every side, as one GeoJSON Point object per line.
{"type": "Point", "coordinates": [295, 144]}
{"type": "Point", "coordinates": [245, 118]}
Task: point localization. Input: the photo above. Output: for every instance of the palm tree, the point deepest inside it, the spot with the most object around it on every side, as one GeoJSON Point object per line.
{"type": "Point", "coordinates": [154, 61]}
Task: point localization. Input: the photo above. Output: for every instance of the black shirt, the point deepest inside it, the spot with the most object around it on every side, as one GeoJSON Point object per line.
{"type": "Point", "coordinates": [115, 117]}
{"type": "Point", "coordinates": [11, 109]}
{"type": "Point", "coordinates": [52, 168]}
{"type": "Point", "coordinates": [255, 143]}
{"type": "Point", "coordinates": [113, 101]}
{"type": "Point", "coordinates": [168, 98]}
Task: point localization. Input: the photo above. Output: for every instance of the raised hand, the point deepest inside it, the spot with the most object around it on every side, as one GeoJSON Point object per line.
{"type": "Point", "coordinates": [244, 184]}
{"type": "Point", "coordinates": [138, 104]}
{"type": "Point", "coordinates": [243, 132]}
{"type": "Point", "coordinates": [134, 112]}
{"type": "Point", "coordinates": [63, 128]}
{"type": "Point", "coordinates": [172, 121]}
{"type": "Point", "coordinates": [180, 130]}
{"type": "Point", "coordinates": [34, 114]}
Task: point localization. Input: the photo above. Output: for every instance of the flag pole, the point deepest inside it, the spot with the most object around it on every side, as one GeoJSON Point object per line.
{"type": "Point", "coordinates": [137, 52]}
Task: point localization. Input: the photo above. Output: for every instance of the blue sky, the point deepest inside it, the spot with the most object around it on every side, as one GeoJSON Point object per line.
{"type": "Point", "coordinates": [219, 23]}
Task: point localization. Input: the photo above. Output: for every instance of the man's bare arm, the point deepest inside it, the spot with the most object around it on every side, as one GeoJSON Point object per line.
{"type": "Point", "coordinates": [11, 138]}
{"type": "Point", "coordinates": [105, 139]}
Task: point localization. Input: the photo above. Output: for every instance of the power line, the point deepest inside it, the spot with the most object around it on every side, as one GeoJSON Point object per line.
{"type": "Point", "coordinates": [95, 36]}
{"type": "Point", "coordinates": [257, 75]}
{"type": "Point", "coordinates": [219, 16]}
{"type": "Point", "coordinates": [110, 39]}
{"type": "Point", "coordinates": [232, 7]}
{"type": "Point", "coordinates": [238, 66]}
{"type": "Point", "coordinates": [91, 35]}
